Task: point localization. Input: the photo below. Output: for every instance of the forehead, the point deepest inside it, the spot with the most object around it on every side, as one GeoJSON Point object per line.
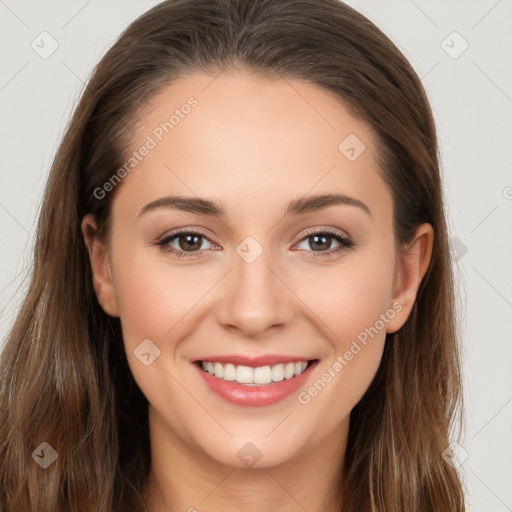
{"type": "Point", "coordinates": [239, 137]}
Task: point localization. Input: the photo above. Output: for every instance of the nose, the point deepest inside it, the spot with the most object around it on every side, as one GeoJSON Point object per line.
{"type": "Point", "coordinates": [254, 298]}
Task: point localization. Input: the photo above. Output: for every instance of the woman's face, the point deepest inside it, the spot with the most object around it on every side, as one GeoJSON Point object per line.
{"type": "Point", "coordinates": [279, 275]}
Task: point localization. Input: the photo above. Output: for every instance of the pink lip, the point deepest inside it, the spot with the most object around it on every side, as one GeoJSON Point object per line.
{"type": "Point", "coordinates": [255, 361]}
{"type": "Point", "coordinates": [254, 396]}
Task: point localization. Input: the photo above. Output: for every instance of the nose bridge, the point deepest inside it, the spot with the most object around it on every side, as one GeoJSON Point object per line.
{"type": "Point", "coordinates": [255, 298]}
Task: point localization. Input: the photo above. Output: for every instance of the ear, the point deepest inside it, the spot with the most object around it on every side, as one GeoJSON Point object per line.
{"type": "Point", "coordinates": [412, 264]}
{"type": "Point", "coordinates": [100, 265]}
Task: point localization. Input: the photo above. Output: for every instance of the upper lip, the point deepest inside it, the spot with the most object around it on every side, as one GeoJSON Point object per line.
{"type": "Point", "coordinates": [254, 361]}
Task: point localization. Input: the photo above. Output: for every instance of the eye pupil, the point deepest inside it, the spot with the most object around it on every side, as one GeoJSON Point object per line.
{"type": "Point", "coordinates": [322, 245]}
{"type": "Point", "coordinates": [191, 242]}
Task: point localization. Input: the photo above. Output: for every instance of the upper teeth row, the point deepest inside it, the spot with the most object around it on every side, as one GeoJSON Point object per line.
{"type": "Point", "coordinates": [259, 375]}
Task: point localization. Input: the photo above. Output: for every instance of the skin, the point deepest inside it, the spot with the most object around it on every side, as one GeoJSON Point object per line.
{"type": "Point", "coordinates": [252, 144]}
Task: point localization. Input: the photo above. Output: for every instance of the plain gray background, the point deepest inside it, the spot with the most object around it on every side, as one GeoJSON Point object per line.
{"type": "Point", "coordinates": [470, 90]}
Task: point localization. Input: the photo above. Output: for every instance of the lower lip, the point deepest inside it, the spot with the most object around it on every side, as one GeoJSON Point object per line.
{"type": "Point", "coordinates": [255, 396]}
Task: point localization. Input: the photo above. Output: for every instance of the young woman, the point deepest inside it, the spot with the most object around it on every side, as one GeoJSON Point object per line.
{"type": "Point", "coordinates": [242, 295]}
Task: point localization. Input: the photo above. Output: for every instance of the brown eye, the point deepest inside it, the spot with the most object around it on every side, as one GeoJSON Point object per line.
{"type": "Point", "coordinates": [321, 242]}
{"type": "Point", "coordinates": [189, 242]}
{"type": "Point", "coordinates": [184, 243]}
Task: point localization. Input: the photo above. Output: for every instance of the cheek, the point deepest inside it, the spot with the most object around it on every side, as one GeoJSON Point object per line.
{"type": "Point", "coordinates": [352, 306]}
{"type": "Point", "coordinates": [348, 300]}
{"type": "Point", "coordinates": [154, 297]}
{"type": "Point", "coordinates": [157, 302]}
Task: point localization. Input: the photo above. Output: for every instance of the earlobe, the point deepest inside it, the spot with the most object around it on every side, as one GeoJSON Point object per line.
{"type": "Point", "coordinates": [412, 265]}
{"type": "Point", "coordinates": [100, 266]}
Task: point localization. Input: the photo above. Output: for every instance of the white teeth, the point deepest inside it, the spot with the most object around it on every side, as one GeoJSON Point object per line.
{"type": "Point", "coordinates": [244, 375]}
{"type": "Point", "coordinates": [289, 370]}
{"type": "Point", "coordinates": [262, 375]}
{"type": "Point", "coordinates": [219, 370]}
{"type": "Point", "coordinates": [229, 372]}
{"type": "Point", "coordinates": [278, 372]}
{"type": "Point", "coordinates": [254, 376]}
{"type": "Point", "coordinates": [300, 367]}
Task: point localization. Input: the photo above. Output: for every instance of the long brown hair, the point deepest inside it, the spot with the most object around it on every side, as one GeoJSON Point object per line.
{"type": "Point", "coordinates": [65, 379]}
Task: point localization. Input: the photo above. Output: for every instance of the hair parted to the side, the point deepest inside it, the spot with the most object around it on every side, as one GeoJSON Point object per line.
{"type": "Point", "coordinates": [64, 374]}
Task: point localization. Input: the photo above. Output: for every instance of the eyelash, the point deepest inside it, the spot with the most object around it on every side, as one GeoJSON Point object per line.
{"type": "Point", "coordinates": [345, 242]}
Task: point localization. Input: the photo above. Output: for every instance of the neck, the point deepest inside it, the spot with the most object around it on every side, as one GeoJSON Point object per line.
{"type": "Point", "coordinates": [183, 479]}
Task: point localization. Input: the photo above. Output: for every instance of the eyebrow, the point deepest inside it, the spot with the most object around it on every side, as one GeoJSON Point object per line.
{"type": "Point", "coordinates": [296, 207]}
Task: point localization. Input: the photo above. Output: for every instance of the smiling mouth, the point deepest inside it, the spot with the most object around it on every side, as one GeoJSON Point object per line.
{"type": "Point", "coordinates": [257, 376]}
